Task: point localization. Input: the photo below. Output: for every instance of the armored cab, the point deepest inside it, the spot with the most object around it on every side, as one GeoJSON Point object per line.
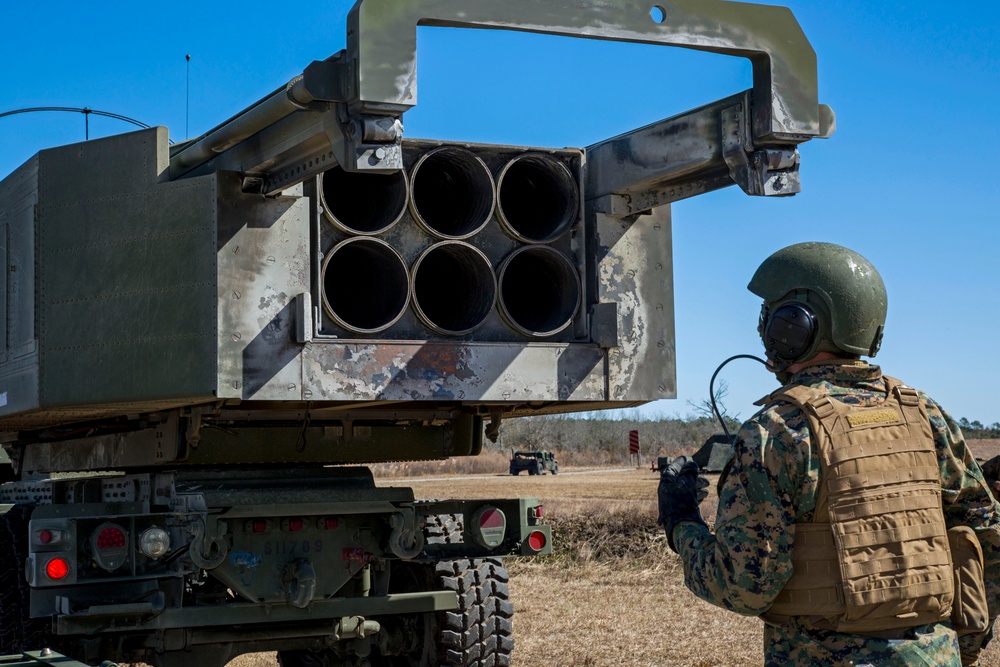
{"type": "Point", "coordinates": [219, 321]}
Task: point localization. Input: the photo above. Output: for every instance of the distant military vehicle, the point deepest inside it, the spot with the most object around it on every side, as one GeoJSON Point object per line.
{"type": "Point", "coordinates": [203, 342]}
{"type": "Point", "coordinates": [535, 463]}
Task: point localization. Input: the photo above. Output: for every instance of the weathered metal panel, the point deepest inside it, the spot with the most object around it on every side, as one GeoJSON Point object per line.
{"type": "Point", "coordinates": [406, 371]}
{"type": "Point", "coordinates": [264, 255]}
{"type": "Point", "coordinates": [126, 275]}
{"type": "Point", "coordinates": [635, 271]}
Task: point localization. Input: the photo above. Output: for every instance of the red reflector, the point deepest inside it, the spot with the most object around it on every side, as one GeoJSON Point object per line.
{"type": "Point", "coordinates": [57, 568]}
{"type": "Point", "coordinates": [295, 525]}
{"type": "Point", "coordinates": [45, 536]}
{"type": "Point", "coordinates": [536, 540]}
{"type": "Point", "coordinates": [330, 523]}
{"type": "Point", "coordinates": [492, 519]}
{"type": "Point", "coordinates": [259, 526]}
{"type": "Point", "coordinates": [538, 511]}
{"type": "Point", "coordinates": [110, 538]}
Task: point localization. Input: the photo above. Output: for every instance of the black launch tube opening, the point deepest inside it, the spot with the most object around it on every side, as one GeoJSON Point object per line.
{"type": "Point", "coordinates": [452, 193]}
{"type": "Point", "coordinates": [365, 285]}
{"type": "Point", "coordinates": [359, 203]}
{"type": "Point", "coordinates": [453, 288]}
{"type": "Point", "coordinates": [539, 291]}
{"type": "Point", "coordinates": [538, 199]}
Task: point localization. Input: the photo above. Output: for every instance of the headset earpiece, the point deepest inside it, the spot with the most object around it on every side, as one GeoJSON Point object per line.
{"type": "Point", "coordinates": [789, 332]}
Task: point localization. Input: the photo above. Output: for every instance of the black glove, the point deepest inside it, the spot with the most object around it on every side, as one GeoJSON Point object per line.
{"type": "Point", "coordinates": [679, 493]}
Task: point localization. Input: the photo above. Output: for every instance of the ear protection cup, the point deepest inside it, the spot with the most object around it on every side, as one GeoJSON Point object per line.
{"type": "Point", "coordinates": [789, 332]}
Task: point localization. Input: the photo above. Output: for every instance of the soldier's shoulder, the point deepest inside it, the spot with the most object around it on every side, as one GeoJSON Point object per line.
{"type": "Point", "coordinates": [932, 406]}
{"type": "Point", "coordinates": [778, 418]}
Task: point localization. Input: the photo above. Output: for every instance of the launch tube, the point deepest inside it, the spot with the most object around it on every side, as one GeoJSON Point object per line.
{"type": "Point", "coordinates": [453, 287]}
{"type": "Point", "coordinates": [365, 285]}
{"type": "Point", "coordinates": [538, 200]}
{"type": "Point", "coordinates": [539, 291]}
{"type": "Point", "coordinates": [363, 203]}
{"type": "Point", "coordinates": [452, 195]}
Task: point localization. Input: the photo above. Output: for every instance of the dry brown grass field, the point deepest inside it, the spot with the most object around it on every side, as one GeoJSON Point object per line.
{"type": "Point", "coordinates": [613, 593]}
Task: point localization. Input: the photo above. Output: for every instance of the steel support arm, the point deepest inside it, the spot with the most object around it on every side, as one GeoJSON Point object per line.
{"type": "Point", "coordinates": [382, 43]}
{"type": "Point", "coordinates": [695, 152]}
{"type": "Point", "coordinates": [346, 109]}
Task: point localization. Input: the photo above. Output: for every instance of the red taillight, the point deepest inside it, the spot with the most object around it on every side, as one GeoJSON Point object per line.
{"type": "Point", "coordinates": [488, 526]}
{"type": "Point", "coordinates": [57, 569]}
{"type": "Point", "coordinates": [492, 518]}
{"type": "Point", "coordinates": [536, 540]}
{"type": "Point", "coordinates": [295, 525]}
{"type": "Point", "coordinates": [537, 512]}
{"type": "Point", "coordinates": [45, 536]}
{"type": "Point", "coordinates": [330, 523]}
{"type": "Point", "coordinates": [109, 545]}
{"type": "Point", "coordinates": [110, 537]}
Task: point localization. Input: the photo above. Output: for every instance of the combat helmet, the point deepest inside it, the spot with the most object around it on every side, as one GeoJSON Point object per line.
{"type": "Point", "coordinates": [819, 297]}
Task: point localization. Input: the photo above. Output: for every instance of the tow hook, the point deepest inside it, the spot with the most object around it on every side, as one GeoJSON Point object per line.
{"type": "Point", "coordinates": [209, 547]}
{"type": "Point", "coordinates": [300, 583]}
{"type": "Point", "coordinates": [406, 541]}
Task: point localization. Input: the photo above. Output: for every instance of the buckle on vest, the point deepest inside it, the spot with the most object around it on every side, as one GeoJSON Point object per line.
{"type": "Point", "coordinates": [822, 406]}
{"type": "Point", "coordinates": [907, 396]}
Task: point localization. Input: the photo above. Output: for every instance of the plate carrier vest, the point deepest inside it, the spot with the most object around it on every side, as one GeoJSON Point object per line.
{"type": "Point", "coordinates": [875, 557]}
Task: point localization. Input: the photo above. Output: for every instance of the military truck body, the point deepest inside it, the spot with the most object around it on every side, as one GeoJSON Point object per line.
{"type": "Point", "coordinates": [204, 342]}
{"type": "Point", "coordinates": [534, 463]}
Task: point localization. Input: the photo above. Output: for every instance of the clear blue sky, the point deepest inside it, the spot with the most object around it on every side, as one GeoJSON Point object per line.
{"type": "Point", "coordinates": [909, 178]}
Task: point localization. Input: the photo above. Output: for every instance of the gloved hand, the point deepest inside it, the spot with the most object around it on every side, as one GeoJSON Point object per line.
{"type": "Point", "coordinates": [680, 491]}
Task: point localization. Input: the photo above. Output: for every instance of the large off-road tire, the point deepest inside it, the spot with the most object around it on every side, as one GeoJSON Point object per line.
{"type": "Point", "coordinates": [18, 631]}
{"type": "Point", "coordinates": [479, 632]}
{"type": "Point", "coordinates": [444, 529]}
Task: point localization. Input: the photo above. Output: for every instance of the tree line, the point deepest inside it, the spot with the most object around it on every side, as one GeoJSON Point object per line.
{"type": "Point", "coordinates": [607, 440]}
{"type": "Point", "coordinates": [975, 430]}
{"type": "Point", "coordinates": [601, 440]}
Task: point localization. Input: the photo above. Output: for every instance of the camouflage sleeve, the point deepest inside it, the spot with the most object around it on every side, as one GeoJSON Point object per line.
{"type": "Point", "coordinates": [747, 561]}
{"type": "Point", "coordinates": [968, 502]}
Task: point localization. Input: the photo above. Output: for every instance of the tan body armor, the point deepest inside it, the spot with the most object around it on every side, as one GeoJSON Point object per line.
{"type": "Point", "coordinates": [876, 556]}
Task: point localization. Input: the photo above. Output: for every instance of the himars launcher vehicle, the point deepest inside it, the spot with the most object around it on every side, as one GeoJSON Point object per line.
{"type": "Point", "coordinates": [204, 341]}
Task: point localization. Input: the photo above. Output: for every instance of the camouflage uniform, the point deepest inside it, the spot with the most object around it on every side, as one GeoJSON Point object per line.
{"type": "Point", "coordinates": [773, 482]}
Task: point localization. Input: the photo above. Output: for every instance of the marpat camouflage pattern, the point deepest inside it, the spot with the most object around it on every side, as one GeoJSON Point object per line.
{"type": "Point", "coordinates": [773, 482]}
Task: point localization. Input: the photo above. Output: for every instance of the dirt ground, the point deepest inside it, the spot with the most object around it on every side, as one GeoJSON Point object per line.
{"type": "Point", "coordinates": [594, 612]}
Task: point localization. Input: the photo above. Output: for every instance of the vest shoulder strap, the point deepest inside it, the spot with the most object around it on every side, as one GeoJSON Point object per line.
{"type": "Point", "coordinates": [913, 408]}
{"type": "Point", "coordinates": [817, 405]}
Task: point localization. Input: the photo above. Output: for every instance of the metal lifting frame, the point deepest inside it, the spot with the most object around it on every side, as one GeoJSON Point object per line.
{"type": "Point", "coordinates": [347, 109]}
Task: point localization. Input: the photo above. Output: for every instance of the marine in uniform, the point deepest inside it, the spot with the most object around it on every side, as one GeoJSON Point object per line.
{"type": "Point", "coordinates": [853, 518]}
